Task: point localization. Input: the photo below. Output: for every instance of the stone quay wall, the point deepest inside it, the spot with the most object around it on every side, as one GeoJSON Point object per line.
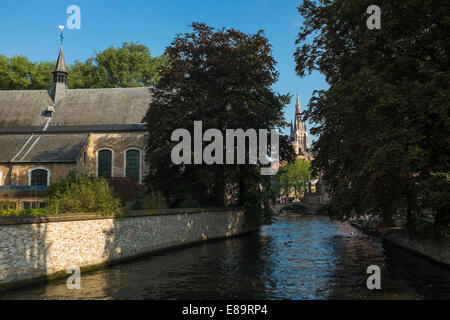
{"type": "Point", "coordinates": [39, 248]}
{"type": "Point", "coordinates": [433, 249]}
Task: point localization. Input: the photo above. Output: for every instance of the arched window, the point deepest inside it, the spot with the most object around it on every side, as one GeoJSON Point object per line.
{"type": "Point", "coordinates": [39, 177]}
{"type": "Point", "coordinates": [133, 164]}
{"type": "Point", "coordinates": [104, 159]}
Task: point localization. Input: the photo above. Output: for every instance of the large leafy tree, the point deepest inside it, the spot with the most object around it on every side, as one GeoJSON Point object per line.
{"type": "Point", "coordinates": [130, 65]}
{"type": "Point", "coordinates": [383, 124]}
{"type": "Point", "coordinates": [19, 73]}
{"type": "Point", "coordinates": [223, 78]}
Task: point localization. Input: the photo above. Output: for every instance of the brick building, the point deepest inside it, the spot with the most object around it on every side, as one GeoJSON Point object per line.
{"type": "Point", "coordinates": [44, 134]}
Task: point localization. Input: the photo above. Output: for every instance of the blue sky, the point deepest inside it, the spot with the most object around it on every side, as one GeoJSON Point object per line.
{"type": "Point", "coordinates": [30, 28]}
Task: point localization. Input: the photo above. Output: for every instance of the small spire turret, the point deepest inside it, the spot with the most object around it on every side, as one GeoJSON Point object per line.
{"type": "Point", "coordinates": [59, 85]}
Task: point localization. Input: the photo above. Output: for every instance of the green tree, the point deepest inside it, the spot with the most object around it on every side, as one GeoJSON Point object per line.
{"type": "Point", "coordinates": [128, 66]}
{"type": "Point", "coordinates": [223, 78]}
{"type": "Point", "coordinates": [384, 123]}
{"type": "Point", "coordinates": [293, 179]}
{"type": "Point", "coordinates": [19, 73]}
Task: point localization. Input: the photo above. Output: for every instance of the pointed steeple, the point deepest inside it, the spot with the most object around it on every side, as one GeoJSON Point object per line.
{"type": "Point", "coordinates": [297, 105]}
{"type": "Point", "coordinates": [300, 132]}
{"type": "Point", "coordinates": [61, 62]}
{"type": "Point", "coordinates": [59, 85]}
{"type": "Point", "coordinates": [298, 111]}
{"type": "Point", "coordinates": [295, 127]}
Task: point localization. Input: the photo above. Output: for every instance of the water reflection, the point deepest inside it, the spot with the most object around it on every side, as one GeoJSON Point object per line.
{"type": "Point", "coordinates": [294, 258]}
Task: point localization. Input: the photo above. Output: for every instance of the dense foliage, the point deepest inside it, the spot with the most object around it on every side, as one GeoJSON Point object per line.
{"type": "Point", "coordinates": [83, 194]}
{"type": "Point", "coordinates": [150, 200]}
{"type": "Point", "coordinates": [223, 78]}
{"type": "Point", "coordinates": [72, 195]}
{"type": "Point", "coordinates": [293, 179]}
{"type": "Point", "coordinates": [18, 73]}
{"type": "Point", "coordinates": [128, 66]}
{"type": "Point", "coordinates": [383, 124]}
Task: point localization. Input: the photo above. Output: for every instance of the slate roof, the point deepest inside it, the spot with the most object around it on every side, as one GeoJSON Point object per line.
{"type": "Point", "coordinates": [41, 147]}
{"type": "Point", "coordinates": [74, 128]}
{"type": "Point", "coordinates": [78, 107]}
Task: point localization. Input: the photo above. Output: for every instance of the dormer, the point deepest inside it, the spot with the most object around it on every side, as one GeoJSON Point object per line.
{"type": "Point", "coordinates": [49, 111]}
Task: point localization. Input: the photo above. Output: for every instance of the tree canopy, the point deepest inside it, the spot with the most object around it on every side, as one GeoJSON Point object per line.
{"type": "Point", "coordinates": [293, 179]}
{"type": "Point", "coordinates": [18, 73]}
{"type": "Point", "coordinates": [130, 65]}
{"type": "Point", "coordinates": [223, 78]}
{"type": "Point", "coordinates": [383, 124]}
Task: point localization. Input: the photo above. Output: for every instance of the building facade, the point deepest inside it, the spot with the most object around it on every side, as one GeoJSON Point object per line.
{"type": "Point", "coordinates": [45, 134]}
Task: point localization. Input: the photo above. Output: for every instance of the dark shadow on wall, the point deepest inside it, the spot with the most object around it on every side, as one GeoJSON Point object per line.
{"type": "Point", "coordinates": [24, 254]}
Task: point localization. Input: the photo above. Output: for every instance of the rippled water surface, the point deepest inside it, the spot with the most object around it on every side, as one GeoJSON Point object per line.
{"type": "Point", "coordinates": [301, 257]}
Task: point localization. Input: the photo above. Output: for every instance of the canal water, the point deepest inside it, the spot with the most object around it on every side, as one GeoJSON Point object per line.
{"type": "Point", "coordinates": [298, 257]}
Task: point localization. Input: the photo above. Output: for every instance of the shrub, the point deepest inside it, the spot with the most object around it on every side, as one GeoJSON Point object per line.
{"type": "Point", "coordinates": [83, 194]}
{"type": "Point", "coordinates": [150, 200]}
{"type": "Point", "coordinates": [7, 205]}
{"type": "Point", "coordinates": [25, 212]}
{"type": "Point", "coordinates": [190, 203]}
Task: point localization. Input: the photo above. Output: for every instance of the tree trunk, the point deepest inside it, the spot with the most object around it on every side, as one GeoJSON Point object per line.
{"type": "Point", "coordinates": [439, 217]}
{"type": "Point", "coordinates": [411, 212]}
{"type": "Point", "coordinates": [242, 188]}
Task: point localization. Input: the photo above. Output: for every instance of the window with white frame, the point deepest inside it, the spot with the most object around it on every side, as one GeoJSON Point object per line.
{"type": "Point", "coordinates": [39, 177]}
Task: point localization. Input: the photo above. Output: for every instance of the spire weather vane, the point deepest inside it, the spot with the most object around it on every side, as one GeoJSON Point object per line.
{"type": "Point", "coordinates": [62, 36]}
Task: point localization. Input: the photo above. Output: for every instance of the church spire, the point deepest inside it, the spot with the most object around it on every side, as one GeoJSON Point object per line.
{"type": "Point", "coordinates": [300, 132]}
{"type": "Point", "coordinates": [298, 117]}
{"type": "Point", "coordinates": [297, 105]}
{"type": "Point", "coordinates": [59, 85]}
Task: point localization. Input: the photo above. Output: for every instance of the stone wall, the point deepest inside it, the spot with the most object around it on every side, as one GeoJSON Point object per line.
{"type": "Point", "coordinates": [437, 250]}
{"type": "Point", "coordinates": [37, 247]}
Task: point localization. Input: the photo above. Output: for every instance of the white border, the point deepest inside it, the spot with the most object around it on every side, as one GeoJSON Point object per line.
{"type": "Point", "coordinates": [37, 168]}
{"type": "Point", "coordinates": [112, 161]}
{"type": "Point", "coordinates": [125, 162]}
